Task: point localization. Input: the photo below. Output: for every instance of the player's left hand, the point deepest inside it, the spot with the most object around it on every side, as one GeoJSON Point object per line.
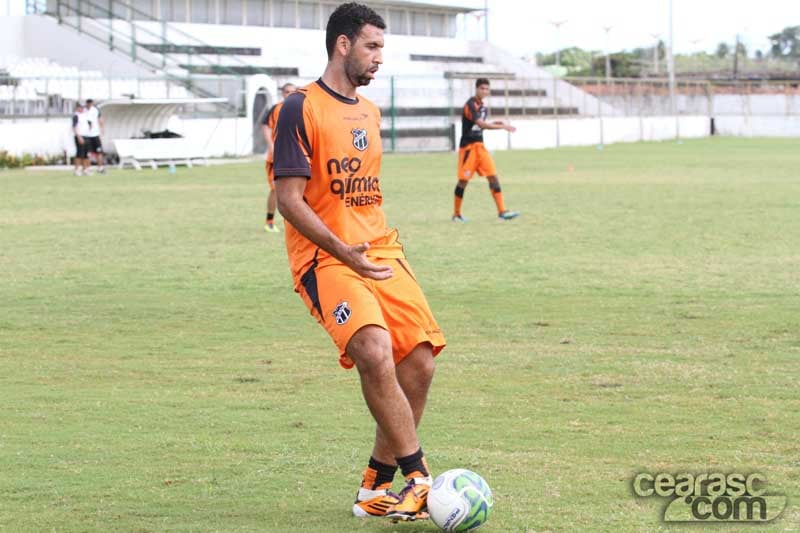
{"type": "Point", "coordinates": [356, 258]}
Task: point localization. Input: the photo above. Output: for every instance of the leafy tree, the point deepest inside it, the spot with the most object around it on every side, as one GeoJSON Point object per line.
{"type": "Point", "coordinates": [786, 44]}
{"type": "Point", "coordinates": [723, 50]}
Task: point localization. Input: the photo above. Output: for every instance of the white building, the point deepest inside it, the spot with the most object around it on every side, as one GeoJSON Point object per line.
{"type": "Point", "coordinates": [242, 50]}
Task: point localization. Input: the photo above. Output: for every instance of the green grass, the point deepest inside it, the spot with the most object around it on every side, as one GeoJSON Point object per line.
{"type": "Point", "coordinates": [157, 373]}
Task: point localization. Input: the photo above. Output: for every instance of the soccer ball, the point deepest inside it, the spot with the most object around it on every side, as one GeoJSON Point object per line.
{"type": "Point", "coordinates": [460, 500]}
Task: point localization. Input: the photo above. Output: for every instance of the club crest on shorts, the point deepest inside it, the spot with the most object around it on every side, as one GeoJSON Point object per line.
{"type": "Point", "coordinates": [342, 313]}
{"type": "Point", "coordinates": [360, 138]}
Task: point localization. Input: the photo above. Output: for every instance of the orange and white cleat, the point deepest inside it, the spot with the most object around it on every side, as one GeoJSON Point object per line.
{"type": "Point", "coordinates": [374, 502]}
{"type": "Point", "coordinates": [413, 500]}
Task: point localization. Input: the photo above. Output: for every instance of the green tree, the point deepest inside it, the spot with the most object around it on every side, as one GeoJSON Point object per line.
{"type": "Point", "coordinates": [723, 50]}
{"type": "Point", "coordinates": [786, 44]}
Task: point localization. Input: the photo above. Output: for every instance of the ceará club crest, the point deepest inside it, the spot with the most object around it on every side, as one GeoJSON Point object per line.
{"type": "Point", "coordinates": [360, 138]}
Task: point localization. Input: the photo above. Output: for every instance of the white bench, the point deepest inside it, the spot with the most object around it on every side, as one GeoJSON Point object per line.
{"type": "Point", "coordinates": [158, 152]}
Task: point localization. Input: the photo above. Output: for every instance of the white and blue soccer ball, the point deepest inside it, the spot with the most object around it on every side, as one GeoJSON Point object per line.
{"type": "Point", "coordinates": [460, 500]}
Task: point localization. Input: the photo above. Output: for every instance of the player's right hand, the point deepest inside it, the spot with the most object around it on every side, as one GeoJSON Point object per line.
{"type": "Point", "coordinates": [80, 139]}
{"type": "Point", "coordinates": [356, 258]}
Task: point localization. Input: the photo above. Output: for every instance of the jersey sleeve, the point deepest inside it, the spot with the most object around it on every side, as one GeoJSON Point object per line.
{"type": "Point", "coordinates": [292, 147]}
{"type": "Point", "coordinates": [472, 110]}
{"type": "Point", "coordinates": [268, 117]}
{"type": "Point", "coordinates": [467, 111]}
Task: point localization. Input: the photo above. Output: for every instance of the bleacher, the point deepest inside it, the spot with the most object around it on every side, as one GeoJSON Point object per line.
{"type": "Point", "coordinates": [426, 77]}
{"type": "Point", "coordinates": [39, 86]}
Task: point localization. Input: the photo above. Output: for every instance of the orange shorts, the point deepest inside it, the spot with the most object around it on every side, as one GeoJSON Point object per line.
{"type": "Point", "coordinates": [475, 159]}
{"type": "Point", "coordinates": [271, 175]}
{"type": "Point", "coordinates": [344, 302]}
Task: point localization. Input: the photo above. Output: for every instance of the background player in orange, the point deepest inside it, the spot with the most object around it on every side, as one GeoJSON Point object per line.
{"type": "Point", "coordinates": [268, 129]}
{"type": "Point", "coordinates": [473, 157]}
{"type": "Point", "coordinates": [348, 266]}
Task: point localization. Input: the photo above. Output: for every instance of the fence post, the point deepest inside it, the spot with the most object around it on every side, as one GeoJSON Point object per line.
{"type": "Point", "coordinates": [392, 115]}
{"type": "Point", "coordinates": [525, 90]}
{"type": "Point", "coordinates": [677, 113]}
{"type": "Point", "coordinates": [555, 112]}
{"type": "Point", "coordinates": [640, 107]}
{"type": "Point", "coordinates": [46, 99]}
{"type": "Point", "coordinates": [451, 118]}
{"type": "Point", "coordinates": [508, 114]}
{"type": "Point", "coordinates": [600, 113]}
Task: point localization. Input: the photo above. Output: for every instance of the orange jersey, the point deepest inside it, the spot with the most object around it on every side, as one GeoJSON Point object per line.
{"type": "Point", "coordinates": [334, 142]}
{"type": "Point", "coordinates": [271, 121]}
{"type": "Point", "coordinates": [473, 111]}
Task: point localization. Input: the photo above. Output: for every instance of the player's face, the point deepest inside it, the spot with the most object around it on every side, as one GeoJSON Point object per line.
{"type": "Point", "coordinates": [289, 89]}
{"type": "Point", "coordinates": [482, 92]}
{"type": "Point", "coordinates": [365, 56]}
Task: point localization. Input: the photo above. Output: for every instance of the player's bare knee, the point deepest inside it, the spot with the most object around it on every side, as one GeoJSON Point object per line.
{"type": "Point", "coordinates": [376, 367]}
{"type": "Point", "coordinates": [419, 366]}
{"type": "Point", "coordinates": [371, 349]}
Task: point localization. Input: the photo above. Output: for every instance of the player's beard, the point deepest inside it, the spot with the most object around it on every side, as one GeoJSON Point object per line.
{"type": "Point", "coordinates": [357, 75]}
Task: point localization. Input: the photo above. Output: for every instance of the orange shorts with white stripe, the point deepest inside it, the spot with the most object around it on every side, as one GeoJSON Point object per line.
{"type": "Point", "coordinates": [473, 159]}
{"type": "Point", "coordinates": [343, 302]}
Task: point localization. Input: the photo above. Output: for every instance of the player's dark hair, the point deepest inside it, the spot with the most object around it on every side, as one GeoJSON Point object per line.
{"type": "Point", "coordinates": [89, 101]}
{"type": "Point", "coordinates": [347, 20]}
{"type": "Point", "coordinates": [481, 81]}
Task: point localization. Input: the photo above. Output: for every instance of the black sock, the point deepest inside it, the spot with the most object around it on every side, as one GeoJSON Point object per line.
{"type": "Point", "coordinates": [413, 463]}
{"type": "Point", "coordinates": [385, 472]}
{"type": "Point", "coordinates": [270, 217]}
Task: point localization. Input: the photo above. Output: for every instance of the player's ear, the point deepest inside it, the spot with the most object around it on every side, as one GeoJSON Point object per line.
{"type": "Point", "coordinates": [343, 44]}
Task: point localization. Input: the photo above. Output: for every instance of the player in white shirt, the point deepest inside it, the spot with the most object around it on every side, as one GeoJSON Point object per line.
{"type": "Point", "coordinates": [81, 129]}
{"type": "Point", "coordinates": [97, 126]}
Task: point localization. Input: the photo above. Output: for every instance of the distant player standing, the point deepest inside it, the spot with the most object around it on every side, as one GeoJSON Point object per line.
{"type": "Point", "coordinates": [97, 127]}
{"type": "Point", "coordinates": [348, 266]}
{"type": "Point", "coordinates": [473, 157]}
{"type": "Point", "coordinates": [268, 128]}
{"type": "Point", "coordinates": [80, 127]}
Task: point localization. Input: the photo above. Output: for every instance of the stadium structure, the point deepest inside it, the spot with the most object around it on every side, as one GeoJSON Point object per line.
{"type": "Point", "coordinates": [209, 69]}
{"type": "Point", "coordinates": [234, 54]}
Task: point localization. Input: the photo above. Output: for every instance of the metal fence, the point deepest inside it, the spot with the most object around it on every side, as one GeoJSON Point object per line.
{"type": "Point", "coordinates": [424, 112]}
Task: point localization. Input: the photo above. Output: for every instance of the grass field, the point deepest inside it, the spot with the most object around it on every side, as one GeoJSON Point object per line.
{"type": "Point", "coordinates": [157, 373]}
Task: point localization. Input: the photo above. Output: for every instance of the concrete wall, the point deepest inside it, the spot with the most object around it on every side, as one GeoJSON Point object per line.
{"type": "Point", "coordinates": [719, 104]}
{"type": "Point", "coordinates": [549, 133]}
{"type": "Point", "coordinates": [763, 126]}
{"type": "Point", "coordinates": [227, 136]}
{"type": "Point", "coordinates": [12, 36]}
{"type": "Point", "coordinates": [233, 136]}
{"type": "Point", "coordinates": [23, 37]}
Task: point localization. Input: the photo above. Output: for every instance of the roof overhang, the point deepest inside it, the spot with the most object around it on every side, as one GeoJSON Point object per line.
{"type": "Point", "coordinates": [402, 4]}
